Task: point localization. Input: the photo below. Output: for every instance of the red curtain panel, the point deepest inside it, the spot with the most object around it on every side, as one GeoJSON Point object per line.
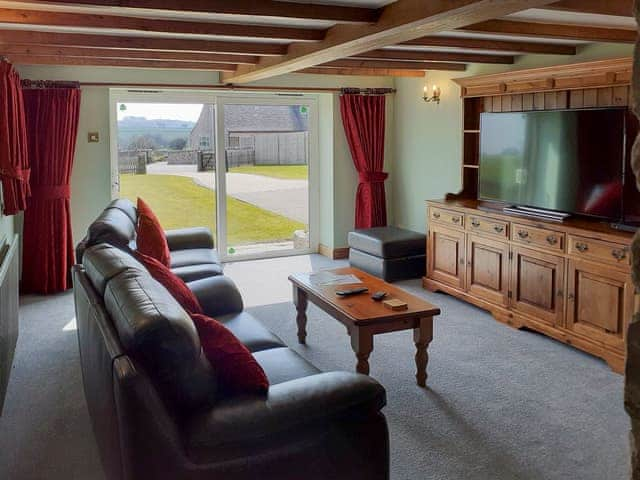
{"type": "Point", "coordinates": [52, 125]}
{"type": "Point", "coordinates": [14, 162]}
{"type": "Point", "coordinates": [363, 117]}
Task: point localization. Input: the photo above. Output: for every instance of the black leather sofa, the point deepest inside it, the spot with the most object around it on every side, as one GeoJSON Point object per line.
{"type": "Point", "coordinates": [192, 249]}
{"type": "Point", "coordinates": [152, 394]}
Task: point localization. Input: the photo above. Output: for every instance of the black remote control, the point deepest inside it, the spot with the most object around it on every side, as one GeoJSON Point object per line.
{"type": "Point", "coordinates": [352, 291]}
{"type": "Point", "coordinates": [378, 296]}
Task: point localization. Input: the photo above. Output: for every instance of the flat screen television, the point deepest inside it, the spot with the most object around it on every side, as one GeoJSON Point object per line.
{"type": "Point", "coordinates": [565, 160]}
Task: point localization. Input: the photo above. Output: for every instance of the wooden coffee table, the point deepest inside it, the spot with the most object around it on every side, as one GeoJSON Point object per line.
{"type": "Point", "coordinates": [364, 317]}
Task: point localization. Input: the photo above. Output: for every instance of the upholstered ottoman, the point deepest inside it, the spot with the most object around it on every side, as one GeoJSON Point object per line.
{"type": "Point", "coordinates": [390, 253]}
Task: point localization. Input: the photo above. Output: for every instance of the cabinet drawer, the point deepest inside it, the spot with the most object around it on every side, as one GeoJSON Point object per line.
{"type": "Point", "coordinates": [538, 237]}
{"type": "Point", "coordinates": [608, 252]}
{"type": "Point", "coordinates": [447, 217]}
{"type": "Point", "coordinates": [487, 226]}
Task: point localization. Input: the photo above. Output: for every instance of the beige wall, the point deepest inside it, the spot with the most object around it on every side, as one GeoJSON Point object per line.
{"type": "Point", "coordinates": [91, 175]}
{"type": "Point", "coordinates": [428, 143]}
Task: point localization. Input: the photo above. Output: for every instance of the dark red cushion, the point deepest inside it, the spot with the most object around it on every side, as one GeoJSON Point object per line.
{"type": "Point", "coordinates": [237, 370]}
{"type": "Point", "coordinates": [151, 239]}
{"type": "Point", "coordinates": [173, 283]}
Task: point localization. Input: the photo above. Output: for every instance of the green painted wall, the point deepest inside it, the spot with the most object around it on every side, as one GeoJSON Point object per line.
{"type": "Point", "coordinates": [428, 143]}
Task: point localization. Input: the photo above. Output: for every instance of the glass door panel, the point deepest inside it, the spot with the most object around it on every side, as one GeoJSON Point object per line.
{"type": "Point", "coordinates": [166, 156]}
{"type": "Point", "coordinates": [265, 161]}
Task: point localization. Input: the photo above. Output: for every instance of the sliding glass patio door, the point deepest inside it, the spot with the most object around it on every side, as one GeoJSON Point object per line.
{"type": "Point", "coordinates": [244, 166]}
{"type": "Point", "coordinates": [266, 170]}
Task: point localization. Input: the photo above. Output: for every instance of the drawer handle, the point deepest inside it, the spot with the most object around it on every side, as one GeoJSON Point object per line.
{"type": "Point", "coordinates": [498, 228]}
{"type": "Point", "coordinates": [582, 247]}
{"type": "Point", "coordinates": [552, 239]}
{"type": "Point", "coordinates": [455, 219]}
{"type": "Point", "coordinates": [619, 253]}
{"type": "Point", "coordinates": [475, 223]}
{"type": "Point", "coordinates": [436, 215]}
{"type": "Point", "coordinates": [523, 234]}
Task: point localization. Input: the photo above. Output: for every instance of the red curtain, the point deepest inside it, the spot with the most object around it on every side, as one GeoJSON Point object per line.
{"type": "Point", "coordinates": [52, 122]}
{"type": "Point", "coordinates": [14, 162]}
{"type": "Point", "coordinates": [363, 117]}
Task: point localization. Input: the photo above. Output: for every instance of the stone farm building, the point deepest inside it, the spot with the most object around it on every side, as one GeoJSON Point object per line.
{"type": "Point", "coordinates": [256, 134]}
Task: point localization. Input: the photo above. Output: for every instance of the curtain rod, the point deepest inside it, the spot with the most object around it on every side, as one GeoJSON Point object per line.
{"type": "Point", "coordinates": [226, 87]}
{"type": "Point", "coordinates": [40, 84]}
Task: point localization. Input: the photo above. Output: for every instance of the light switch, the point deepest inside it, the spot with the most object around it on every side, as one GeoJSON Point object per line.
{"type": "Point", "coordinates": [94, 137]}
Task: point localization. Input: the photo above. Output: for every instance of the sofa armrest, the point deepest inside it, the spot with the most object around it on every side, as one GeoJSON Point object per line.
{"type": "Point", "coordinates": [312, 400]}
{"type": "Point", "coordinates": [187, 238]}
{"type": "Point", "coordinates": [217, 295]}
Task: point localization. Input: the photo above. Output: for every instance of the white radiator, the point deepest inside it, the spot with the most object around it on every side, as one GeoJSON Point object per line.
{"type": "Point", "coordinates": [9, 279]}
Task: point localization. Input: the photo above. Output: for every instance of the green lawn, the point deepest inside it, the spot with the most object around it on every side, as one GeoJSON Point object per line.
{"type": "Point", "coordinates": [289, 172]}
{"type": "Point", "coordinates": [179, 202]}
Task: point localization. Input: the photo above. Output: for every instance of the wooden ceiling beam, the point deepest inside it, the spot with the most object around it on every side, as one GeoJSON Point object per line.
{"type": "Point", "coordinates": [393, 64]}
{"type": "Point", "coordinates": [495, 45]}
{"type": "Point", "coordinates": [621, 8]}
{"type": "Point", "coordinates": [260, 8]}
{"type": "Point", "coordinates": [372, 72]}
{"type": "Point", "coordinates": [12, 49]}
{"type": "Point", "coordinates": [399, 21]}
{"type": "Point", "coordinates": [553, 30]}
{"type": "Point", "coordinates": [63, 19]}
{"type": "Point", "coordinates": [25, 37]}
{"type": "Point", "coordinates": [415, 56]}
{"type": "Point", "coordinates": [117, 62]}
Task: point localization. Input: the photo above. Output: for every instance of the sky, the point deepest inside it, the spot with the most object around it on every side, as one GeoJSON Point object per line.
{"type": "Point", "coordinates": [167, 111]}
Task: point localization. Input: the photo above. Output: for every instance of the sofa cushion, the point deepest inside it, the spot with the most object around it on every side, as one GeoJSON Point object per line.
{"type": "Point", "coordinates": [112, 226]}
{"type": "Point", "coordinates": [102, 262]}
{"type": "Point", "coordinates": [191, 273]}
{"type": "Point", "coordinates": [156, 331]}
{"type": "Point", "coordinates": [250, 331]}
{"type": "Point", "coordinates": [388, 242]}
{"type": "Point", "coordinates": [238, 372]}
{"type": "Point", "coordinates": [150, 239]}
{"type": "Point", "coordinates": [283, 364]}
{"type": "Point", "coordinates": [193, 256]}
{"type": "Point", "coordinates": [174, 284]}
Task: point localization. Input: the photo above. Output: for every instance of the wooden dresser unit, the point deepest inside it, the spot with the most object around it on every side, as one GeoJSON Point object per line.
{"type": "Point", "coordinates": [570, 281]}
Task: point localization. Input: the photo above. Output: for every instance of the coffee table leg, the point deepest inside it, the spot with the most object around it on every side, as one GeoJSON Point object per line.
{"type": "Point", "coordinates": [422, 336]}
{"type": "Point", "coordinates": [301, 302]}
{"type": "Point", "coordinates": [362, 344]}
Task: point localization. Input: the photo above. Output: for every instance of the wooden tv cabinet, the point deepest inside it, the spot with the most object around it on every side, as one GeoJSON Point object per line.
{"type": "Point", "coordinates": [570, 281]}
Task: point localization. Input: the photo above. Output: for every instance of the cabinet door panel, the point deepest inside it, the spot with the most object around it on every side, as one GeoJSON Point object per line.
{"type": "Point", "coordinates": [600, 302]}
{"type": "Point", "coordinates": [487, 269]}
{"type": "Point", "coordinates": [537, 282]}
{"type": "Point", "coordinates": [446, 256]}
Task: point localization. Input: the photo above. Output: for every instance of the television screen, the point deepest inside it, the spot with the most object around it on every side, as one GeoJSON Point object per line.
{"type": "Point", "coordinates": [569, 161]}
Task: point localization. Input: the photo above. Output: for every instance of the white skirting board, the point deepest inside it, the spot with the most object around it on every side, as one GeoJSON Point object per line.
{"type": "Point", "coordinates": [9, 296]}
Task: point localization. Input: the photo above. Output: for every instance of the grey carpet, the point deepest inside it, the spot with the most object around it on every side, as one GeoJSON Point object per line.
{"type": "Point", "coordinates": [501, 404]}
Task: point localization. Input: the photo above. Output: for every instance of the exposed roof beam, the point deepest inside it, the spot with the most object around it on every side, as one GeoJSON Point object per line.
{"type": "Point", "coordinates": [260, 8]}
{"type": "Point", "coordinates": [554, 30]}
{"type": "Point", "coordinates": [622, 8]}
{"type": "Point", "coordinates": [11, 49]}
{"type": "Point", "coordinates": [374, 72]}
{"type": "Point", "coordinates": [112, 41]}
{"type": "Point", "coordinates": [355, 63]}
{"type": "Point", "coordinates": [117, 62]}
{"type": "Point", "coordinates": [497, 45]}
{"type": "Point", "coordinates": [63, 19]}
{"type": "Point", "coordinates": [434, 56]}
{"type": "Point", "coordinates": [399, 21]}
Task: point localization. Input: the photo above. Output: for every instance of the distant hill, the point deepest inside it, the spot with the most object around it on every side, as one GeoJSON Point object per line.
{"type": "Point", "coordinates": [162, 131]}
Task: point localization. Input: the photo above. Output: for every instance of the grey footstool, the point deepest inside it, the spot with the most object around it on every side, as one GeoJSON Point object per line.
{"type": "Point", "coordinates": [390, 253]}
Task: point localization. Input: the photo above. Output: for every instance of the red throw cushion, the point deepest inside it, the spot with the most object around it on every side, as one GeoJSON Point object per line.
{"type": "Point", "coordinates": [237, 370]}
{"type": "Point", "coordinates": [151, 239]}
{"type": "Point", "coordinates": [173, 283]}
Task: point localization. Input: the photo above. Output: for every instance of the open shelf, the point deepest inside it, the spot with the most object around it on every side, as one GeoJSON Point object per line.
{"type": "Point", "coordinates": [471, 131]}
{"type": "Point", "coordinates": [471, 166]}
